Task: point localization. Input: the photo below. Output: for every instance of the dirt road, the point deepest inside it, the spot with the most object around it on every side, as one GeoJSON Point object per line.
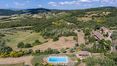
{"type": "Point", "coordinates": [25, 59]}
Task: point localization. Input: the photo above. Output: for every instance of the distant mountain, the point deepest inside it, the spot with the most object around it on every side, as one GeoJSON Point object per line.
{"type": "Point", "coordinates": [37, 10]}
{"type": "Point", "coordinates": [7, 12]}
{"type": "Point", "coordinates": [101, 8]}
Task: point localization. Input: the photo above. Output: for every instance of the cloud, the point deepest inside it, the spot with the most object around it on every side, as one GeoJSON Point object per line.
{"type": "Point", "coordinates": [73, 2]}
{"type": "Point", "coordinates": [63, 3]}
{"type": "Point", "coordinates": [52, 3]}
{"type": "Point", "coordinates": [19, 5]}
{"type": "Point", "coordinates": [85, 1]}
{"type": "Point", "coordinates": [78, 2]}
{"type": "Point", "coordinates": [112, 2]}
{"type": "Point", "coordinates": [39, 5]}
{"type": "Point", "coordinates": [68, 3]}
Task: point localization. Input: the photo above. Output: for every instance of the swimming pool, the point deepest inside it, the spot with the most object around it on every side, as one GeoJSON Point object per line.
{"type": "Point", "coordinates": [58, 59]}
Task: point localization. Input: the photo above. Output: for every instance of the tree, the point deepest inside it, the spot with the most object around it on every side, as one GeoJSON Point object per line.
{"type": "Point", "coordinates": [103, 61]}
{"type": "Point", "coordinates": [27, 52]}
{"type": "Point", "coordinates": [51, 51]}
{"type": "Point", "coordinates": [6, 49]}
{"type": "Point", "coordinates": [112, 56]}
{"type": "Point", "coordinates": [20, 45]}
{"type": "Point", "coordinates": [76, 44]}
{"type": "Point", "coordinates": [116, 47]}
{"type": "Point", "coordinates": [101, 46]}
{"type": "Point", "coordinates": [37, 42]}
{"type": "Point", "coordinates": [55, 38]}
{"type": "Point", "coordinates": [28, 45]}
{"type": "Point", "coordinates": [37, 51]}
{"type": "Point", "coordinates": [87, 32]}
{"type": "Point", "coordinates": [91, 39]}
{"type": "Point", "coordinates": [104, 45]}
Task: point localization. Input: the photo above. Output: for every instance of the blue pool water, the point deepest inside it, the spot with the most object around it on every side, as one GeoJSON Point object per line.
{"type": "Point", "coordinates": [55, 59]}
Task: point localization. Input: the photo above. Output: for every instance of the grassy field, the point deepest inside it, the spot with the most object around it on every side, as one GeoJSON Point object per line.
{"type": "Point", "coordinates": [63, 42]}
{"type": "Point", "coordinates": [38, 59]}
{"type": "Point", "coordinates": [21, 36]}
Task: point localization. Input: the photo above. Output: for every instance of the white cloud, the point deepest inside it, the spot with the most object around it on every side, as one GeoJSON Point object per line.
{"type": "Point", "coordinates": [85, 0]}
{"type": "Point", "coordinates": [52, 3]}
{"type": "Point", "coordinates": [108, 2]}
{"type": "Point", "coordinates": [64, 3]}
{"type": "Point", "coordinates": [73, 2]}
{"type": "Point", "coordinates": [77, 2]}
{"type": "Point", "coordinates": [68, 3]}
{"type": "Point", "coordinates": [39, 5]}
{"type": "Point", "coordinates": [19, 5]}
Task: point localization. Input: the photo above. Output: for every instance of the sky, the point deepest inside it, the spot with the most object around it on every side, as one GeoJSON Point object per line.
{"type": "Point", "coordinates": [55, 4]}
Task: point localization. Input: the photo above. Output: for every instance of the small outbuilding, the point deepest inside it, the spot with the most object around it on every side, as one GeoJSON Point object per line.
{"type": "Point", "coordinates": [83, 54]}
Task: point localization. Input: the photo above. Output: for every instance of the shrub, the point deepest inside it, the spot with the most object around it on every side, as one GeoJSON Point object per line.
{"type": "Point", "coordinates": [87, 32]}
{"type": "Point", "coordinates": [28, 45]}
{"type": "Point", "coordinates": [51, 51]}
{"type": "Point", "coordinates": [20, 45]}
{"type": "Point", "coordinates": [91, 39]}
{"type": "Point", "coordinates": [2, 35]}
{"type": "Point", "coordinates": [75, 38]}
{"type": "Point", "coordinates": [5, 49]}
{"type": "Point", "coordinates": [3, 55]}
{"type": "Point", "coordinates": [76, 44]}
{"type": "Point", "coordinates": [72, 50]}
{"type": "Point", "coordinates": [37, 51]}
{"type": "Point", "coordinates": [55, 38]}
{"type": "Point", "coordinates": [16, 53]}
{"type": "Point", "coordinates": [27, 52]}
{"type": "Point", "coordinates": [63, 50]}
{"type": "Point", "coordinates": [103, 61]}
{"type": "Point", "coordinates": [30, 51]}
{"type": "Point", "coordinates": [37, 42]}
{"type": "Point", "coordinates": [78, 60]}
{"type": "Point", "coordinates": [116, 47]}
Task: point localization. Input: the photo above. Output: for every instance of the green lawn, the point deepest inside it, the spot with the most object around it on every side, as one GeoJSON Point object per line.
{"type": "Point", "coordinates": [20, 36]}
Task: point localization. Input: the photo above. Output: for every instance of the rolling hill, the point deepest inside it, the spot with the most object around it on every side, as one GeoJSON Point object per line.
{"type": "Point", "coordinates": [8, 12]}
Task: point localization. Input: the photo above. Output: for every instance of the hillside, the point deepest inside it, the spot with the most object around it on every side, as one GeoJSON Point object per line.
{"type": "Point", "coordinates": [55, 21]}
{"type": "Point", "coordinates": [44, 32]}
{"type": "Point", "coordinates": [8, 12]}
